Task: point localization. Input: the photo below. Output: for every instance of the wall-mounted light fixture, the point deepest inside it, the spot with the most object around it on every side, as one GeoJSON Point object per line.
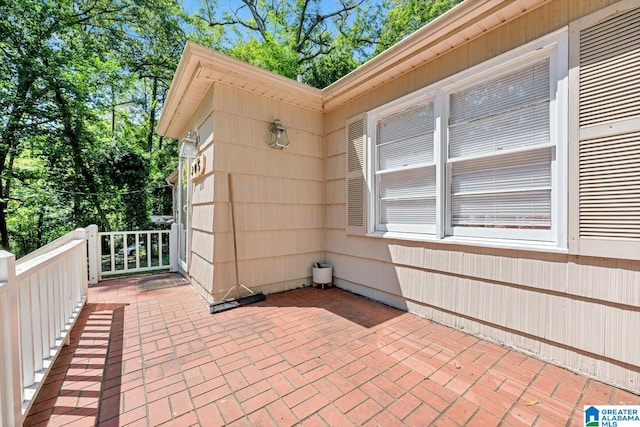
{"type": "Point", "coordinates": [278, 135]}
{"type": "Point", "coordinates": [189, 145]}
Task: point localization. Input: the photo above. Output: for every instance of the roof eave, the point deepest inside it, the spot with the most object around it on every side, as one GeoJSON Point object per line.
{"type": "Point", "coordinates": [175, 94]}
{"type": "Point", "coordinates": [461, 24]}
{"type": "Point", "coordinates": [202, 67]}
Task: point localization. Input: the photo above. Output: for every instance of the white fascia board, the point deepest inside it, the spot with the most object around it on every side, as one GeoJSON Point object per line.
{"type": "Point", "coordinates": [425, 44]}
{"type": "Point", "coordinates": [193, 77]}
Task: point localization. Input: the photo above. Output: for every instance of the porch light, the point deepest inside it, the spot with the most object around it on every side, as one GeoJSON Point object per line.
{"type": "Point", "coordinates": [279, 138]}
{"type": "Point", "coordinates": [189, 145]}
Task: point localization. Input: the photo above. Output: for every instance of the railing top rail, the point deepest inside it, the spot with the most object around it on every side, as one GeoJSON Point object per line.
{"type": "Point", "coordinates": [60, 241]}
{"type": "Point", "coordinates": [140, 233]}
{"type": "Point", "coordinates": [34, 264]}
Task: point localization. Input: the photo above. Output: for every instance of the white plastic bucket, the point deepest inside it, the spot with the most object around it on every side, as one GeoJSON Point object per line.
{"type": "Point", "coordinates": [322, 274]}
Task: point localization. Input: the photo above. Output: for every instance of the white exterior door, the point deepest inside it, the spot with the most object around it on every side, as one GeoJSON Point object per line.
{"type": "Point", "coordinates": [183, 213]}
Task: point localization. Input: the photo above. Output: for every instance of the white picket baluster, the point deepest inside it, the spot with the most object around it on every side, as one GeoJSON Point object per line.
{"type": "Point", "coordinates": [11, 386]}
{"type": "Point", "coordinates": [26, 328]}
{"type": "Point", "coordinates": [133, 241]}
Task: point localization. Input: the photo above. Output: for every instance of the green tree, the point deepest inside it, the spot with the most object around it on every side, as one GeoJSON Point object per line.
{"type": "Point", "coordinates": [328, 68]}
{"type": "Point", "coordinates": [34, 217]}
{"type": "Point", "coordinates": [82, 83]}
{"type": "Point", "coordinates": [76, 76]}
{"type": "Point", "coordinates": [292, 37]}
{"type": "Point", "coordinates": [151, 56]}
{"type": "Point", "coordinates": [406, 16]}
{"type": "Point", "coordinates": [29, 32]}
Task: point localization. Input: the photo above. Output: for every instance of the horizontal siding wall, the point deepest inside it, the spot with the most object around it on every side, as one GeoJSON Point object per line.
{"type": "Point", "coordinates": [579, 312]}
{"type": "Point", "coordinates": [201, 232]}
{"type": "Point", "coordinates": [278, 194]}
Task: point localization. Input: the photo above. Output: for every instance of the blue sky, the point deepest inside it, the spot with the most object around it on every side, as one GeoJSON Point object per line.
{"type": "Point", "coordinates": [190, 5]}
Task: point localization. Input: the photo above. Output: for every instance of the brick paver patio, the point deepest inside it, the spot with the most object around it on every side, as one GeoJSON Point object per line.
{"type": "Point", "coordinates": [308, 357]}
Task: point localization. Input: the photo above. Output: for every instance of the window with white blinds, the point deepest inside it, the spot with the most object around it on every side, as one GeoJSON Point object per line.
{"type": "Point", "coordinates": [405, 170]}
{"type": "Point", "coordinates": [476, 155]}
{"type": "Point", "coordinates": [500, 114]}
{"type": "Point", "coordinates": [500, 154]}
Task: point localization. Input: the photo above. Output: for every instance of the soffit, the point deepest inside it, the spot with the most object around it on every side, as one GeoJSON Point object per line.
{"type": "Point", "coordinates": [467, 21]}
{"type": "Point", "coordinates": [200, 68]}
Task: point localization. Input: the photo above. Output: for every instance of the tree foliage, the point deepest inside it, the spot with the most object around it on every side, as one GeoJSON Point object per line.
{"type": "Point", "coordinates": [82, 83]}
{"type": "Point", "coordinates": [321, 41]}
{"type": "Point", "coordinates": [406, 16]}
{"type": "Point", "coordinates": [293, 37]}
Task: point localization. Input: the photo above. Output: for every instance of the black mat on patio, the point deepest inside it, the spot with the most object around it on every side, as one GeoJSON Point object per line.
{"type": "Point", "coordinates": [161, 281]}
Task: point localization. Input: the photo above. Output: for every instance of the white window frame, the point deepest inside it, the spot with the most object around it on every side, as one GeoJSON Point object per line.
{"type": "Point", "coordinates": [555, 47]}
{"type": "Point", "coordinates": [373, 119]}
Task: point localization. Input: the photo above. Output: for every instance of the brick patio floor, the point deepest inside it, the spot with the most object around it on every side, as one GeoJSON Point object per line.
{"type": "Point", "coordinates": [307, 356]}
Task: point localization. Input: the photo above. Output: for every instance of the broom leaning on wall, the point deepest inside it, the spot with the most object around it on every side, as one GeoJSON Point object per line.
{"type": "Point", "coordinates": [229, 303]}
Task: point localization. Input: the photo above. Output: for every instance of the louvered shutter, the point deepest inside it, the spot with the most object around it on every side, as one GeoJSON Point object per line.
{"type": "Point", "coordinates": [356, 172]}
{"type": "Point", "coordinates": [609, 133]}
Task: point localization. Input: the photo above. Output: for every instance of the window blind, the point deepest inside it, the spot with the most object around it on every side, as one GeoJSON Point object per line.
{"type": "Point", "coordinates": [408, 197]}
{"type": "Point", "coordinates": [512, 191]}
{"type": "Point", "coordinates": [504, 113]}
{"type": "Point", "coordinates": [406, 138]}
{"type": "Point", "coordinates": [500, 159]}
{"type": "Point", "coordinates": [405, 169]}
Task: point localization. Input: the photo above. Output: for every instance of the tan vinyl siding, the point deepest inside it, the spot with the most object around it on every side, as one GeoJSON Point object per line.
{"type": "Point", "coordinates": [201, 276]}
{"type": "Point", "coordinates": [200, 260]}
{"type": "Point", "coordinates": [201, 217]}
{"type": "Point", "coordinates": [245, 104]}
{"type": "Point", "coordinates": [334, 167]}
{"type": "Point", "coordinates": [577, 311]}
{"type": "Point", "coordinates": [201, 245]}
{"type": "Point", "coordinates": [270, 218]}
{"type": "Point", "coordinates": [284, 164]}
{"type": "Point", "coordinates": [278, 194]}
{"type": "Point", "coordinates": [264, 190]}
{"type": "Point", "coordinates": [335, 173]}
{"type": "Point", "coordinates": [268, 275]}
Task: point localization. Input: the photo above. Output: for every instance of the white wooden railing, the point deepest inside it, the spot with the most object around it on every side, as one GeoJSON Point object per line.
{"type": "Point", "coordinates": [41, 296]}
{"type": "Point", "coordinates": [125, 252]}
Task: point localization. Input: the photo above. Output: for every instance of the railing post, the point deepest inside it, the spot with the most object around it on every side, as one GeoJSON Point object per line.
{"type": "Point", "coordinates": [11, 353]}
{"type": "Point", "coordinates": [81, 288]}
{"type": "Point", "coordinates": [173, 247]}
{"type": "Point", "coordinates": [94, 254]}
